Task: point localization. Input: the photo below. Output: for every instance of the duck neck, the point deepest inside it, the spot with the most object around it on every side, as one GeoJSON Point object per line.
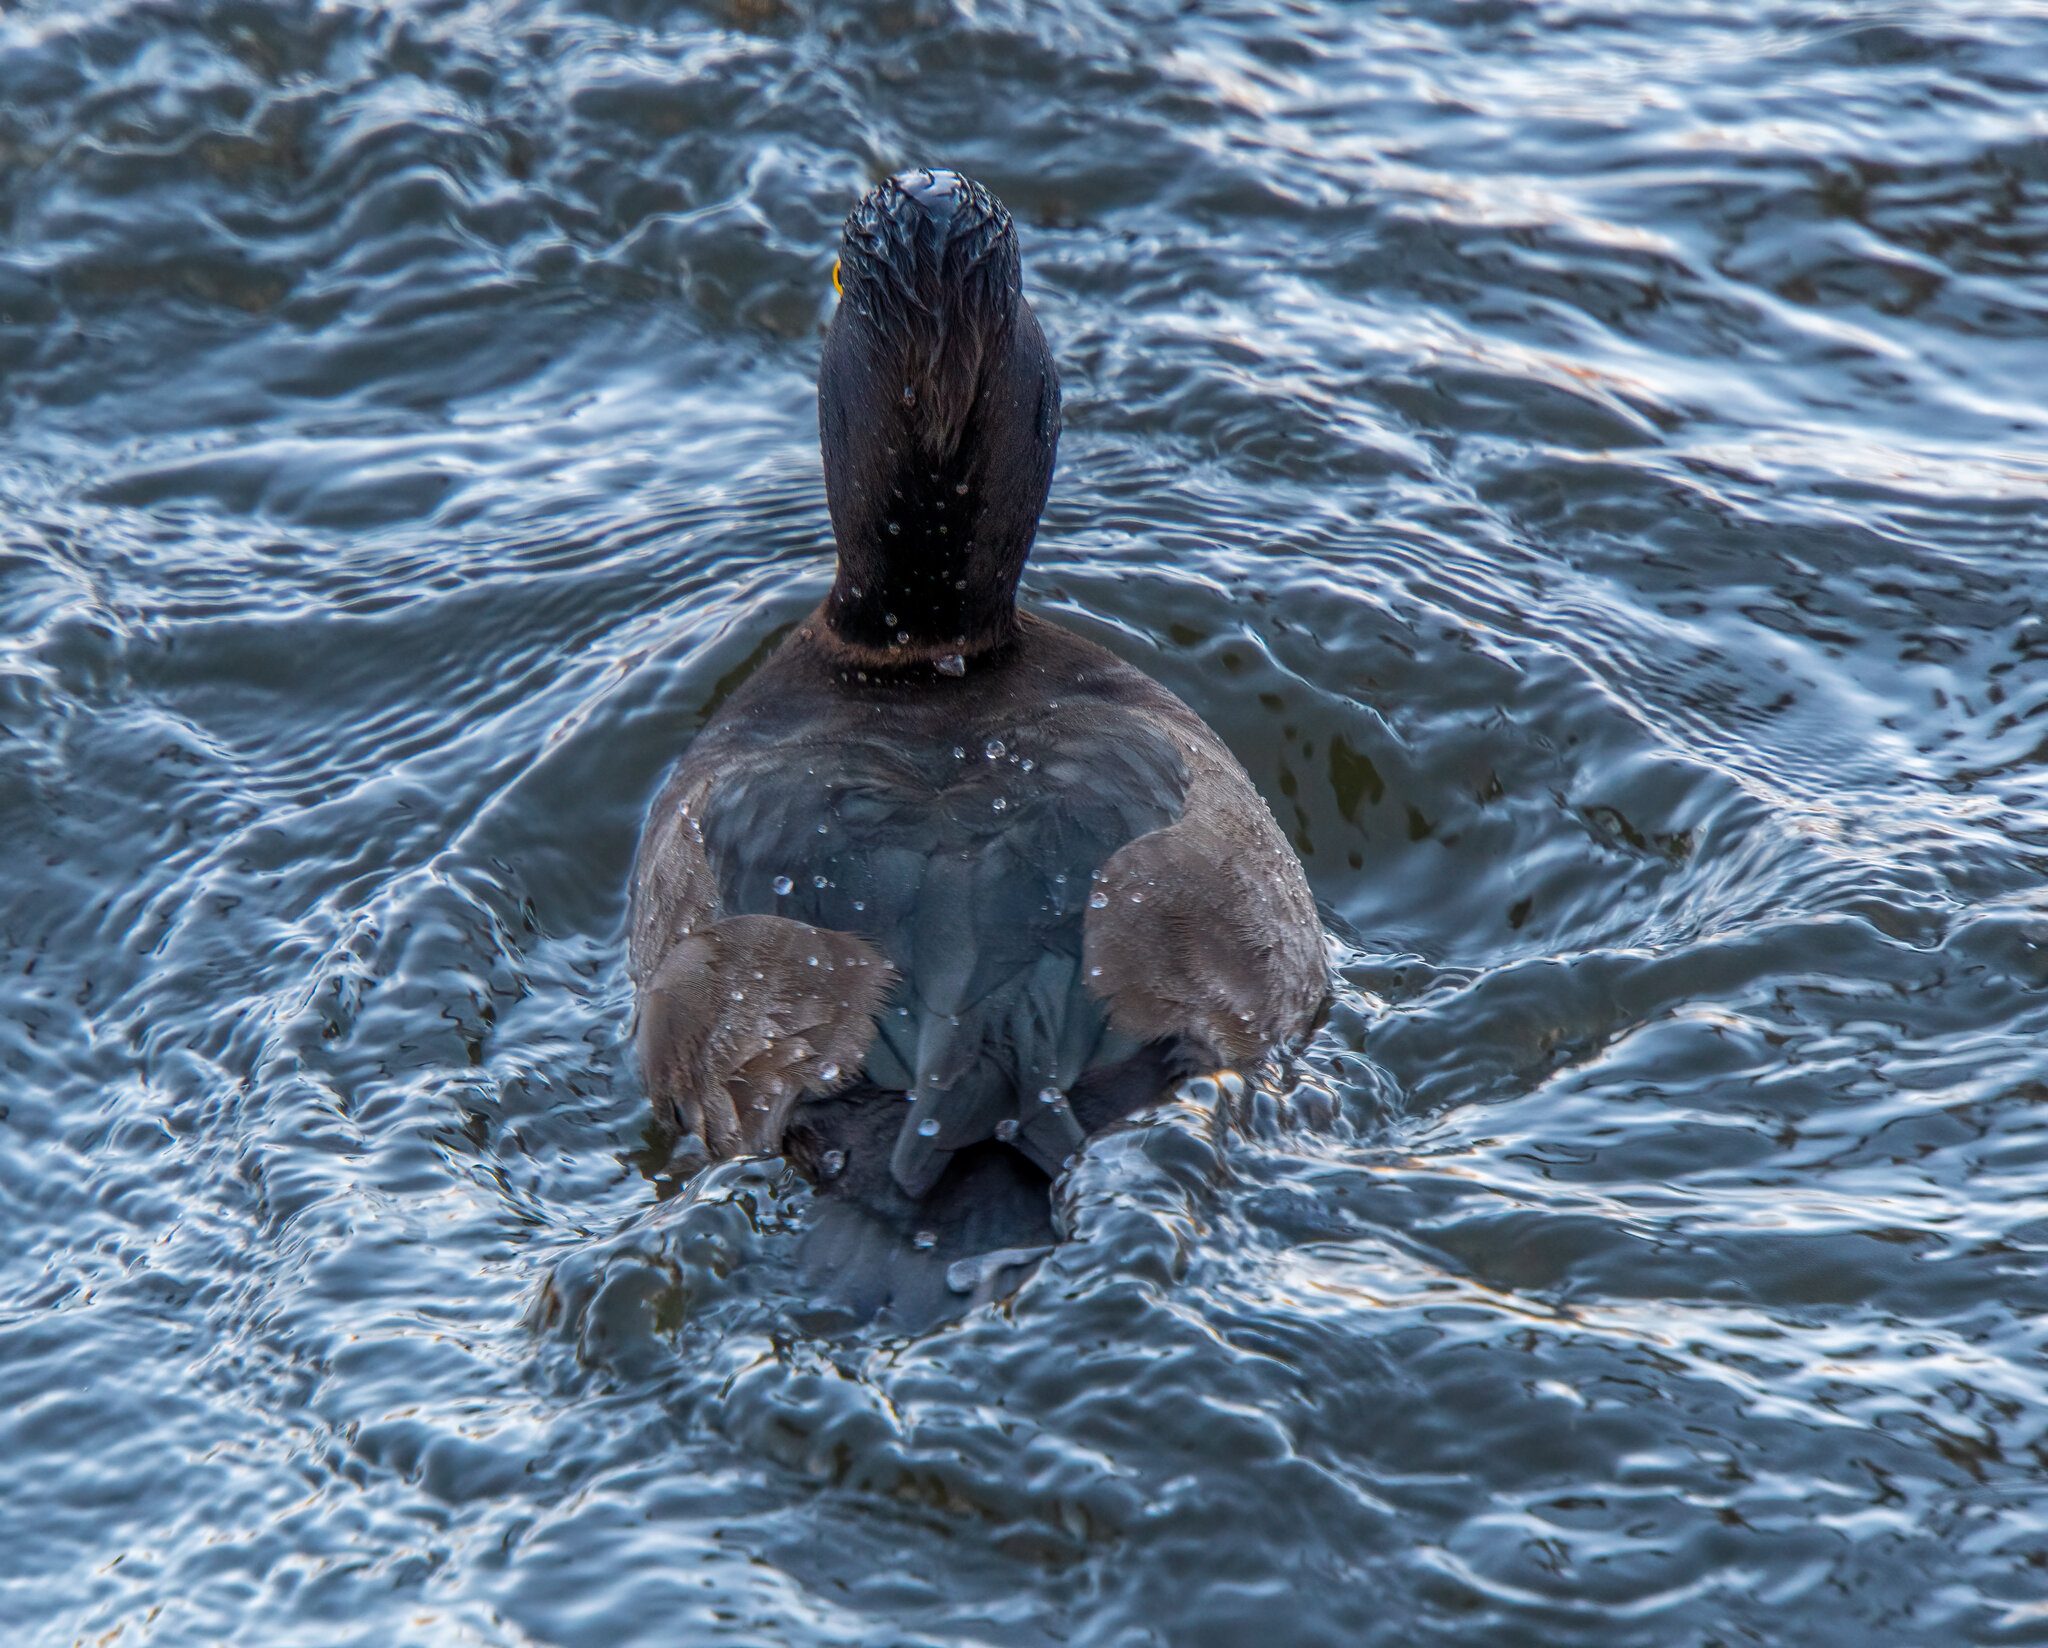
{"type": "Point", "coordinates": [896, 619]}
{"type": "Point", "coordinates": [931, 582]}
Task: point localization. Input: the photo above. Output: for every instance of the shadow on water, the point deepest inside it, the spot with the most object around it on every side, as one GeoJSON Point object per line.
{"type": "Point", "coordinates": [1588, 463]}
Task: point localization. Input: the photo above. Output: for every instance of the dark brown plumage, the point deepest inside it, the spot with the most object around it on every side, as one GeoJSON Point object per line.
{"type": "Point", "coordinates": [936, 850]}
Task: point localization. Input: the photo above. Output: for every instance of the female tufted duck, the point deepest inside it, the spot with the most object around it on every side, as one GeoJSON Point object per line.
{"type": "Point", "coordinates": [939, 850]}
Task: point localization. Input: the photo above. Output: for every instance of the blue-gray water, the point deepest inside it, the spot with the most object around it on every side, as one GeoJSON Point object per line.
{"type": "Point", "coordinates": [1588, 459]}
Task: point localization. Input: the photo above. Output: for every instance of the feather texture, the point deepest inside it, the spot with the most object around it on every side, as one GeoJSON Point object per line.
{"type": "Point", "coordinates": [1013, 897]}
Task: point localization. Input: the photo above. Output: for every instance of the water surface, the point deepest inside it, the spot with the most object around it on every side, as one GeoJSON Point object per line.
{"type": "Point", "coordinates": [1588, 460]}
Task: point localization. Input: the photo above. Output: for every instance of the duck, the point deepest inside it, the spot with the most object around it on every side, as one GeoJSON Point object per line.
{"type": "Point", "coordinates": [944, 889]}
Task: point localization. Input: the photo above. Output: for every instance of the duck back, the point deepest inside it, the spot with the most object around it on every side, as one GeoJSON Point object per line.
{"type": "Point", "coordinates": [922, 866]}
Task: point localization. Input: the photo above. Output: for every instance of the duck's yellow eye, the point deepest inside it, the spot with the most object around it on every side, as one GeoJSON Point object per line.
{"type": "Point", "coordinates": [835, 279]}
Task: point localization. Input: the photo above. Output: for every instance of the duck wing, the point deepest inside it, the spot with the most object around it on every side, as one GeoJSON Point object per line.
{"type": "Point", "coordinates": [970, 868]}
{"type": "Point", "coordinates": [1207, 930]}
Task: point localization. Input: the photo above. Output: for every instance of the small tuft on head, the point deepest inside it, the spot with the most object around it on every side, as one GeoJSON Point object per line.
{"type": "Point", "coordinates": [929, 259]}
{"type": "Point", "coordinates": [926, 240]}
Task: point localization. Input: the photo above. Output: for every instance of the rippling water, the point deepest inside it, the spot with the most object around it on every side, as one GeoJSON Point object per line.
{"type": "Point", "coordinates": [1589, 460]}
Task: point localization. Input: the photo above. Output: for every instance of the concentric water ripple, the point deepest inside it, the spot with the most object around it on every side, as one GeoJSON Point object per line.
{"type": "Point", "coordinates": [1588, 461]}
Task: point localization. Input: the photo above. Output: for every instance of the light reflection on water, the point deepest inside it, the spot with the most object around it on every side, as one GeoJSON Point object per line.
{"type": "Point", "coordinates": [1588, 464]}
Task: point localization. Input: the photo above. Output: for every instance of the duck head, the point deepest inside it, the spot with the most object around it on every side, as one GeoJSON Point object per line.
{"type": "Point", "coordinates": [938, 415]}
